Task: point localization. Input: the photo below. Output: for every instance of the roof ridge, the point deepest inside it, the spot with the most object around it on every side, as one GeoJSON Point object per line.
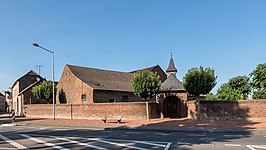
{"type": "Point", "coordinates": [96, 69]}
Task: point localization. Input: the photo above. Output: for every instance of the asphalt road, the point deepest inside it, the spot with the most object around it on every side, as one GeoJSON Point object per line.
{"type": "Point", "coordinates": [30, 137]}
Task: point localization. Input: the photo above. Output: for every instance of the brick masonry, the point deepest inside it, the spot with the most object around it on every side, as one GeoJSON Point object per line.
{"type": "Point", "coordinates": [129, 111]}
{"type": "Point", "coordinates": [228, 110]}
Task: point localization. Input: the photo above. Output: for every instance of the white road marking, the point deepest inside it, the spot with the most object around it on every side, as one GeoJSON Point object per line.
{"type": "Point", "coordinates": [162, 133]}
{"type": "Point", "coordinates": [79, 143]}
{"type": "Point", "coordinates": [122, 145]}
{"type": "Point", "coordinates": [141, 142]}
{"type": "Point", "coordinates": [17, 145]}
{"type": "Point", "coordinates": [8, 148]}
{"type": "Point", "coordinates": [154, 143]}
{"type": "Point", "coordinates": [167, 146]}
{"type": "Point", "coordinates": [206, 144]}
{"type": "Point", "coordinates": [60, 129]}
{"type": "Point", "coordinates": [43, 142]}
{"type": "Point", "coordinates": [232, 145]}
{"type": "Point", "coordinates": [196, 135]}
{"type": "Point", "coordinates": [252, 147]}
{"type": "Point", "coordinates": [233, 135]}
{"type": "Point", "coordinates": [182, 143]}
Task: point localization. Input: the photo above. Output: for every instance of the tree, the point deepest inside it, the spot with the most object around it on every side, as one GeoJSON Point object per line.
{"type": "Point", "coordinates": [259, 76]}
{"type": "Point", "coordinates": [211, 96]}
{"type": "Point", "coordinates": [199, 81]}
{"type": "Point", "coordinates": [260, 94]}
{"type": "Point", "coordinates": [44, 90]}
{"type": "Point", "coordinates": [241, 85]}
{"type": "Point", "coordinates": [259, 82]}
{"type": "Point", "coordinates": [236, 88]}
{"type": "Point", "coordinates": [226, 92]}
{"type": "Point", "coordinates": [145, 84]}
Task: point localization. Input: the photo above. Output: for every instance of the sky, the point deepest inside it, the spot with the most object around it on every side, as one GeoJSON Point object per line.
{"type": "Point", "coordinates": [125, 35]}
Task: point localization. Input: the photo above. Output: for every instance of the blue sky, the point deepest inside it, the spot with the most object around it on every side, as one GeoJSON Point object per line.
{"type": "Point", "coordinates": [125, 35]}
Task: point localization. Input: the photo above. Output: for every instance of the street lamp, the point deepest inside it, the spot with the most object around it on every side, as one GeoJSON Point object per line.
{"type": "Point", "coordinates": [37, 45]}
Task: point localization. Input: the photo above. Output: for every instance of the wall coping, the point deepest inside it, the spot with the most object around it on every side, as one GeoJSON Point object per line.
{"type": "Point", "coordinates": [116, 103]}
{"type": "Point", "coordinates": [260, 100]}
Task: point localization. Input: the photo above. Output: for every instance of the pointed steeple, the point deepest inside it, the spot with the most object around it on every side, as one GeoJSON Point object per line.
{"type": "Point", "coordinates": [171, 67]}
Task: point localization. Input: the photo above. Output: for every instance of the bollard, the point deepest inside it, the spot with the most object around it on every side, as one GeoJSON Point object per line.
{"type": "Point", "coordinates": [13, 114]}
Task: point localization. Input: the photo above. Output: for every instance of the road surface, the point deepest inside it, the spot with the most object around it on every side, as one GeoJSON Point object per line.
{"type": "Point", "coordinates": [37, 137]}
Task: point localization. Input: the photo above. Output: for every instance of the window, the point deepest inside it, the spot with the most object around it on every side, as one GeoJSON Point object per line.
{"type": "Point", "coordinates": [111, 100]}
{"type": "Point", "coordinates": [125, 97]}
{"type": "Point", "coordinates": [83, 97]}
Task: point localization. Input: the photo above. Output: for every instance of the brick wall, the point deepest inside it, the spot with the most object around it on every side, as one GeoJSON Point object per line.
{"type": "Point", "coordinates": [70, 89]}
{"type": "Point", "coordinates": [104, 96]}
{"type": "Point", "coordinates": [192, 109]}
{"type": "Point", "coordinates": [2, 104]}
{"type": "Point", "coordinates": [129, 111]}
{"type": "Point", "coordinates": [229, 110]}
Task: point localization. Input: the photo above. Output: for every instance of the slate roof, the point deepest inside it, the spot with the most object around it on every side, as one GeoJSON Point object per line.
{"type": "Point", "coordinates": [171, 84]}
{"type": "Point", "coordinates": [103, 79]}
{"type": "Point", "coordinates": [1, 95]}
{"type": "Point", "coordinates": [31, 72]}
{"type": "Point", "coordinates": [149, 68]}
{"type": "Point", "coordinates": [171, 66]}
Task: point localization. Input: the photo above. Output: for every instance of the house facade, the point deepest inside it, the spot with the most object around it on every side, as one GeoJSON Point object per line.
{"type": "Point", "coordinates": [2, 103]}
{"type": "Point", "coordinates": [90, 85]}
{"type": "Point", "coordinates": [21, 91]}
{"type": "Point", "coordinates": [82, 85]}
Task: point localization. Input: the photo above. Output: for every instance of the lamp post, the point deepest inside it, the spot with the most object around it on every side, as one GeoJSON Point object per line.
{"type": "Point", "coordinates": [37, 45]}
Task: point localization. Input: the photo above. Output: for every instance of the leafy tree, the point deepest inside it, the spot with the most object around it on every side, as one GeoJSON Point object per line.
{"type": "Point", "coordinates": [199, 81]}
{"type": "Point", "coordinates": [211, 96]}
{"type": "Point", "coordinates": [145, 84]}
{"type": "Point", "coordinates": [259, 77]}
{"type": "Point", "coordinates": [44, 90]}
{"type": "Point", "coordinates": [236, 88]}
{"type": "Point", "coordinates": [259, 82]}
{"type": "Point", "coordinates": [226, 92]}
{"type": "Point", "coordinates": [260, 94]}
{"type": "Point", "coordinates": [241, 85]}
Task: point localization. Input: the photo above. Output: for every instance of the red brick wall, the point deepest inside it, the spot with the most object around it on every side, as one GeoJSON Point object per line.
{"type": "Point", "coordinates": [129, 111]}
{"type": "Point", "coordinates": [182, 96]}
{"type": "Point", "coordinates": [70, 89]}
{"type": "Point", "coordinates": [230, 110]}
{"type": "Point", "coordinates": [192, 109]}
{"type": "Point", "coordinates": [103, 96]}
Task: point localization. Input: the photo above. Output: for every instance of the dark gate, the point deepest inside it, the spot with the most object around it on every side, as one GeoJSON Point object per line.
{"type": "Point", "coordinates": [172, 107]}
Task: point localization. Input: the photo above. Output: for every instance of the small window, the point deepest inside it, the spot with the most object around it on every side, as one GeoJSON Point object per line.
{"type": "Point", "coordinates": [111, 100]}
{"type": "Point", "coordinates": [83, 97]}
{"type": "Point", "coordinates": [125, 97]}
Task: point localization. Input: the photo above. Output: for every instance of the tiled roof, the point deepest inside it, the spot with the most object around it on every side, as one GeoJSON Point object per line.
{"type": "Point", "coordinates": [103, 79]}
{"type": "Point", "coordinates": [171, 84]}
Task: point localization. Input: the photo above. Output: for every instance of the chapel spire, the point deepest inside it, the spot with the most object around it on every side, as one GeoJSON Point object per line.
{"type": "Point", "coordinates": [171, 67]}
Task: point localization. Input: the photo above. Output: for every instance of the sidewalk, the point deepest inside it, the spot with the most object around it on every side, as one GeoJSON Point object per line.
{"type": "Point", "coordinates": [166, 124]}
